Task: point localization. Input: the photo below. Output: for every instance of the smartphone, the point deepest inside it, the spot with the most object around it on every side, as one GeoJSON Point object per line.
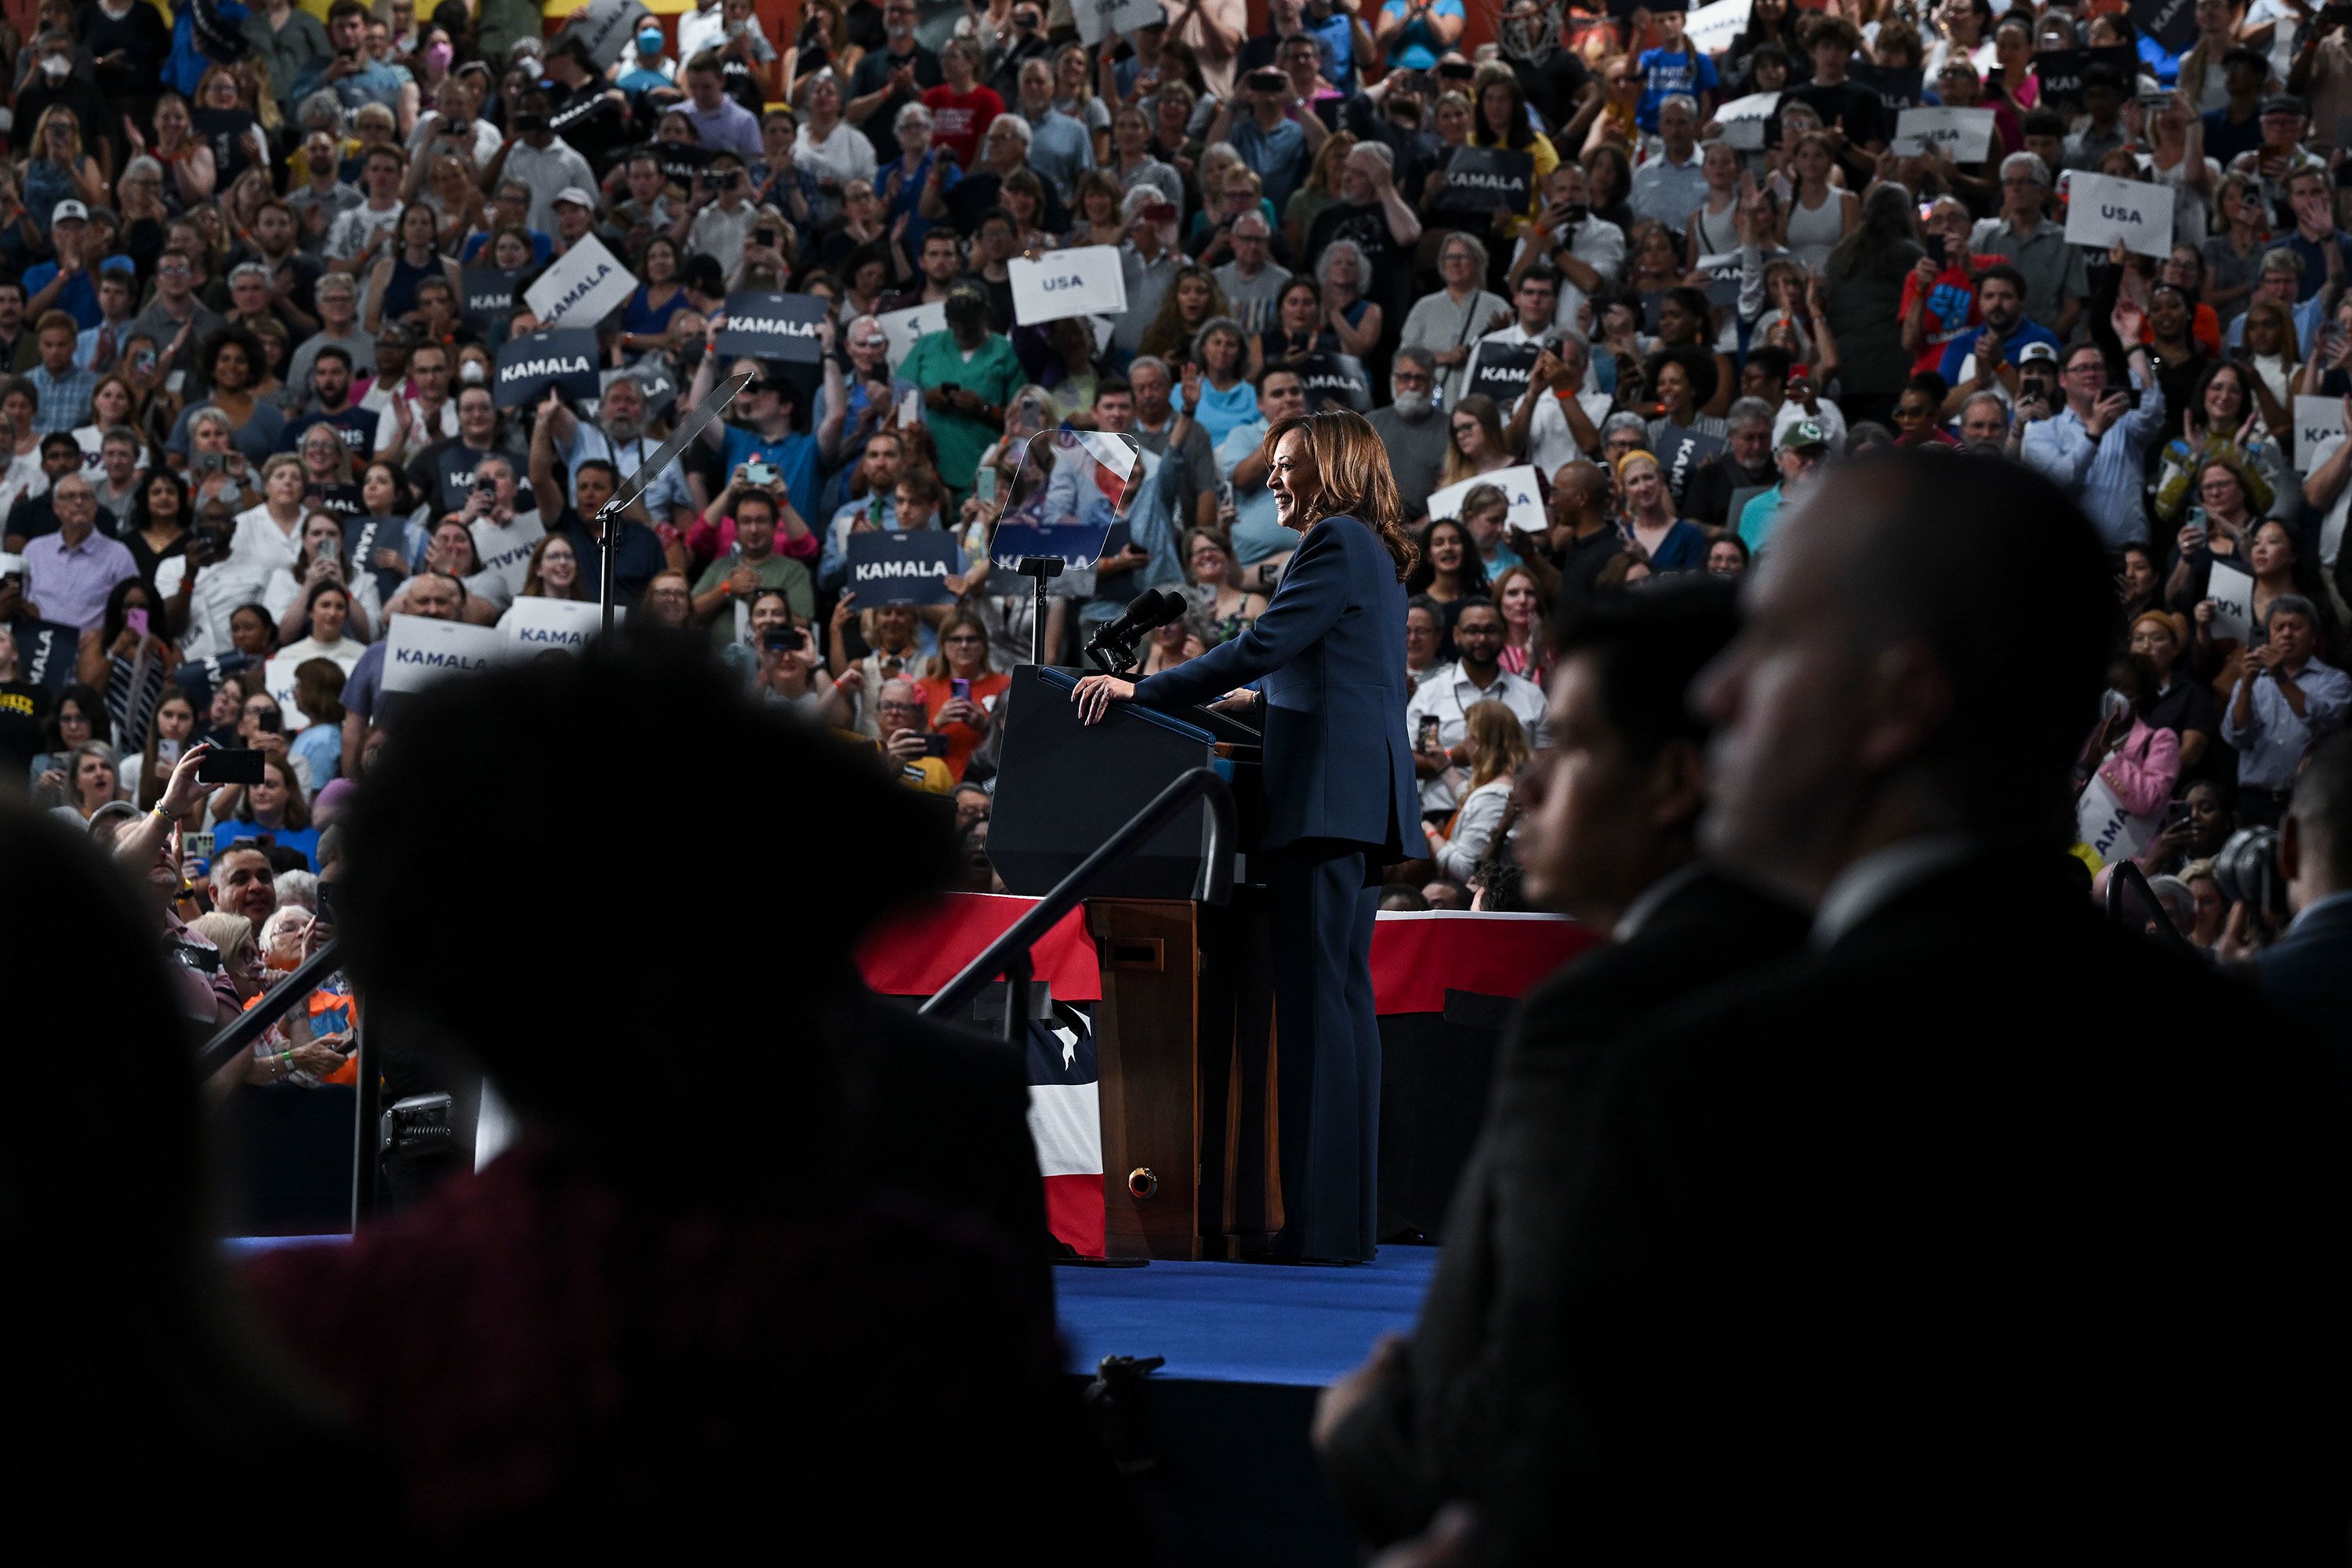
{"type": "Point", "coordinates": [11, 565]}
{"type": "Point", "coordinates": [195, 845]}
{"type": "Point", "coordinates": [1267, 81]}
{"type": "Point", "coordinates": [326, 903]}
{"type": "Point", "coordinates": [1116, 537]}
{"type": "Point", "coordinates": [777, 639]}
{"type": "Point", "coordinates": [135, 619]}
{"type": "Point", "coordinates": [983, 485]}
{"type": "Point", "coordinates": [2176, 813]}
{"type": "Point", "coordinates": [209, 462]}
{"type": "Point", "coordinates": [1457, 71]}
{"type": "Point", "coordinates": [960, 689]}
{"type": "Point", "coordinates": [269, 721]}
{"type": "Point", "coordinates": [766, 237]}
{"type": "Point", "coordinates": [1428, 742]}
{"type": "Point", "coordinates": [167, 750]}
{"type": "Point", "coordinates": [1936, 249]}
{"type": "Point", "coordinates": [935, 745]}
{"type": "Point", "coordinates": [1159, 212]}
{"type": "Point", "coordinates": [1908, 146]}
{"type": "Point", "coordinates": [235, 765]}
{"type": "Point", "coordinates": [756, 472]}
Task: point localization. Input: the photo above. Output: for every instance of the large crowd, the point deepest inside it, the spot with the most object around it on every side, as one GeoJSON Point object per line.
{"type": "Point", "coordinates": [1612, 300]}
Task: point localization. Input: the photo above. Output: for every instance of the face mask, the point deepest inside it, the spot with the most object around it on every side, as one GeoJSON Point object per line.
{"type": "Point", "coordinates": [55, 65]}
{"type": "Point", "coordinates": [471, 373]}
{"type": "Point", "coordinates": [1412, 405]}
{"type": "Point", "coordinates": [437, 56]}
{"type": "Point", "coordinates": [649, 44]}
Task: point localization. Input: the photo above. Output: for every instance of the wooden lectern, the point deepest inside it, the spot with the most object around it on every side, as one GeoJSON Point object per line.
{"type": "Point", "coordinates": [1184, 1035]}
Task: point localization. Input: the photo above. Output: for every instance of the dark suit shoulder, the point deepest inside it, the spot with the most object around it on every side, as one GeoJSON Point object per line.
{"type": "Point", "coordinates": [1706, 932]}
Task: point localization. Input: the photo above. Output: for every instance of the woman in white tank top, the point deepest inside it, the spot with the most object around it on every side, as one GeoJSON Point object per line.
{"type": "Point", "coordinates": [1819, 213]}
{"type": "Point", "coordinates": [1711, 231]}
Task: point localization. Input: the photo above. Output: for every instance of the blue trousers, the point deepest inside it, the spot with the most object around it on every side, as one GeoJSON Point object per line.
{"type": "Point", "coordinates": [1327, 1048]}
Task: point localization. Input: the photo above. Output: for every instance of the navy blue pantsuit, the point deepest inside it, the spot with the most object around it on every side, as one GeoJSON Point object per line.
{"type": "Point", "coordinates": [1329, 657]}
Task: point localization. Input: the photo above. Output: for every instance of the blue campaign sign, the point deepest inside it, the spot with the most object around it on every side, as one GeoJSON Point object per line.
{"type": "Point", "coordinates": [1079, 544]}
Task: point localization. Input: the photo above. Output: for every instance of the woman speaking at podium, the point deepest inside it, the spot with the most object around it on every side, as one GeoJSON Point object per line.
{"type": "Point", "coordinates": [1328, 658]}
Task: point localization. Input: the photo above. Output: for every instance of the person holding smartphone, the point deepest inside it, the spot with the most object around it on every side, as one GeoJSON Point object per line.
{"type": "Point", "coordinates": [962, 689]}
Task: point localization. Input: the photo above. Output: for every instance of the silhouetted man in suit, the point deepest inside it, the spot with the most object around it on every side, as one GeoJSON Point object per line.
{"type": "Point", "coordinates": [2307, 974]}
{"type": "Point", "coordinates": [1934, 1236]}
{"type": "Point", "coordinates": [1607, 835]}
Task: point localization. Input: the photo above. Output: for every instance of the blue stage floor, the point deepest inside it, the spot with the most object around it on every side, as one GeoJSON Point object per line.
{"type": "Point", "coordinates": [1242, 1322]}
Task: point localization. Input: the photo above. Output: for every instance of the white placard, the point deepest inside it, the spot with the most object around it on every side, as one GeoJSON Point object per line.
{"type": "Point", "coordinates": [1087, 281]}
{"type": "Point", "coordinates": [506, 550]}
{"type": "Point", "coordinates": [2318, 430]}
{"type": "Point", "coordinates": [2233, 593]}
{"type": "Point", "coordinates": [607, 27]}
{"type": "Point", "coordinates": [2113, 833]}
{"type": "Point", "coordinates": [903, 327]}
{"type": "Point", "coordinates": [2102, 209]}
{"type": "Point", "coordinates": [417, 651]}
{"type": "Point", "coordinates": [277, 676]}
{"type": "Point", "coordinates": [1964, 133]}
{"type": "Point", "coordinates": [1744, 120]}
{"type": "Point", "coordinates": [1713, 27]}
{"type": "Point", "coordinates": [1518, 483]}
{"type": "Point", "coordinates": [1100, 19]}
{"type": "Point", "coordinates": [584, 286]}
{"type": "Point", "coordinates": [534, 625]}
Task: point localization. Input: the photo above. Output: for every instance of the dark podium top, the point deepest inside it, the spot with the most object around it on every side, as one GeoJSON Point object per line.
{"type": "Point", "coordinates": [1064, 787]}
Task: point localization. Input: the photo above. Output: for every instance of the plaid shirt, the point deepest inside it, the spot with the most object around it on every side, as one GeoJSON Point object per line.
{"type": "Point", "coordinates": [65, 399]}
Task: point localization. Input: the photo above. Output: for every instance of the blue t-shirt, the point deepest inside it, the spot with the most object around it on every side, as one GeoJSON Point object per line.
{"type": "Point", "coordinates": [321, 746]}
{"type": "Point", "coordinates": [1220, 411]}
{"type": "Point", "coordinates": [794, 457]}
{"type": "Point", "coordinates": [1665, 72]}
{"type": "Point", "coordinates": [1416, 46]}
{"type": "Point", "coordinates": [1958, 352]}
{"type": "Point", "coordinates": [78, 298]}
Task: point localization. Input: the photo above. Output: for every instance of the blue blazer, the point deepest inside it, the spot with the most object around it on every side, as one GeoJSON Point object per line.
{"type": "Point", "coordinates": [1328, 654]}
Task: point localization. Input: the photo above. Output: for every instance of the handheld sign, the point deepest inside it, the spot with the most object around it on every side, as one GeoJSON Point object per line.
{"type": "Point", "coordinates": [1964, 133]}
{"type": "Point", "coordinates": [2172, 23]}
{"type": "Point", "coordinates": [1745, 120]}
{"type": "Point", "coordinates": [1712, 29]}
{"type": "Point", "coordinates": [1100, 19]}
{"type": "Point", "coordinates": [1478, 180]}
{"type": "Point", "coordinates": [277, 675]}
{"type": "Point", "coordinates": [901, 328]}
{"type": "Point", "coordinates": [888, 566]}
{"type": "Point", "coordinates": [2318, 428]}
{"type": "Point", "coordinates": [1500, 371]}
{"type": "Point", "coordinates": [1896, 88]}
{"type": "Point", "coordinates": [584, 286]}
{"type": "Point", "coordinates": [761, 325]}
{"type": "Point", "coordinates": [2112, 832]}
{"type": "Point", "coordinates": [528, 366]}
{"type": "Point", "coordinates": [505, 550]}
{"type": "Point", "coordinates": [1518, 484]}
{"type": "Point", "coordinates": [607, 27]}
{"type": "Point", "coordinates": [1335, 381]}
{"type": "Point", "coordinates": [2101, 210]}
{"type": "Point", "coordinates": [1086, 281]}
{"type": "Point", "coordinates": [489, 295]}
{"type": "Point", "coordinates": [2233, 593]}
{"type": "Point", "coordinates": [2060, 71]}
{"type": "Point", "coordinates": [418, 652]}
{"type": "Point", "coordinates": [46, 653]}
{"type": "Point", "coordinates": [1680, 452]}
{"type": "Point", "coordinates": [534, 626]}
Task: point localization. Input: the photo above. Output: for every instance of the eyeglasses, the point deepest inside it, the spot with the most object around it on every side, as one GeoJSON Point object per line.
{"type": "Point", "coordinates": [888, 706]}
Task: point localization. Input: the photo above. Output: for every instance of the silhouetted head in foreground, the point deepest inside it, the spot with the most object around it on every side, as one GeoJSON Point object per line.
{"type": "Point", "coordinates": [1923, 652]}
{"type": "Point", "coordinates": [626, 891]}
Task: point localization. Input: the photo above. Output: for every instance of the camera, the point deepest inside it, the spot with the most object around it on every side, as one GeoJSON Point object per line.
{"type": "Point", "coordinates": [2246, 868]}
{"type": "Point", "coordinates": [767, 237]}
{"type": "Point", "coordinates": [1267, 81]}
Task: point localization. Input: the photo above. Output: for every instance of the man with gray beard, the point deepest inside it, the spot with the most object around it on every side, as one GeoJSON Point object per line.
{"type": "Point", "coordinates": [625, 442]}
{"type": "Point", "coordinates": [1413, 431]}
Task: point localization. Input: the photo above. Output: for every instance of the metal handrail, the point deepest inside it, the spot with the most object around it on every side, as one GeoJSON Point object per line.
{"type": "Point", "coordinates": [1213, 885]}
{"type": "Point", "coordinates": [275, 1004]}
{"type": "Point", "coordinates": [2123, 871]}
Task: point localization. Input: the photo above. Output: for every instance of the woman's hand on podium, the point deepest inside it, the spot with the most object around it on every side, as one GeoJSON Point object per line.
{"type": "Point", "coordinates": [1096, 693]}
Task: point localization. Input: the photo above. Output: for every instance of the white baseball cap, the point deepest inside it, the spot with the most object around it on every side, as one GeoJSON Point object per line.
{"type": "Point", "coordinates": [68, 209]}
{"type": "Point", "coordinates": [574, 194]}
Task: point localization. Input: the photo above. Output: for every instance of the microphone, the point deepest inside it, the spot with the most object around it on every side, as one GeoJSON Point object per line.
{"type": "Point", "coordinates": [1152, 609]}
